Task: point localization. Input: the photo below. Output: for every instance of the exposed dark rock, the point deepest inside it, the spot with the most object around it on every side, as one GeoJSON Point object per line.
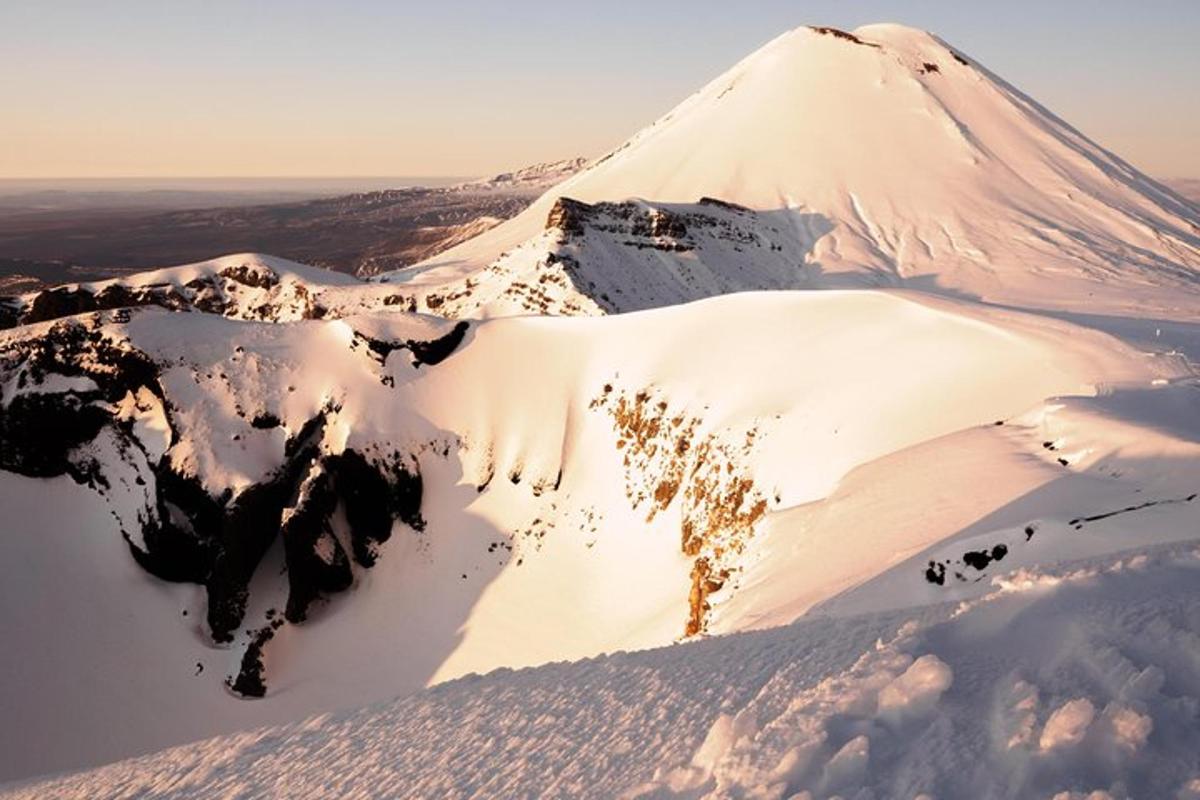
{"type": "Point", "coordinates": [407, 303]}
{"type": "Point", "coordinates": [438, 350]}
{"type": "Point", "coordinates": [118, 296]}
{"type": "Point", "coordinates": [979, 559]}
{"type": "Point", "coordinates": [840, 34]}
{"type": "Point", "coordinates": [373, 496]}
{"type": "Point", "coordinates": [433, 351]}
{"type": "Point", "coordinates": [249, 525]}
{"type": "Point", "coordinates": [265, 421]}
{"type": "Point", "coordinates": [316, 562]}
{"type": "Point", "coordinates": [171, 551]}
{"type": "Point", "coordinates": [213, 294]}
{"type": "Point", "coordinates": [1078, 521]}
{"type": "Point", "coordinates": [250, 680]}
{"type": "Point", "coordinates": [61, 302]}
{"type": "Point", "coordinates": [261, 278]}
{"type": "Point", "coordinates": [186, 534]}
{"type": "Point", "coordinates": [10, 312]}
{"type": "Point", "coordinates": [568, 215]}
{"type": "Point", "coordinates": [66, 301]}
{"type": "Point", "coordinates": [659, 223]}
{"type": "Point", "coordinates": [38, 432]}
{"type": "Point", "coordinates": [572, 217]}
{"type": "Point", "coordinates": [725, 204]}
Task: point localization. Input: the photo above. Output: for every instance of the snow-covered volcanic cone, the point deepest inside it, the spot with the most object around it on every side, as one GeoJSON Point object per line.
{"type": "Point", "coordinates": [879, 157]}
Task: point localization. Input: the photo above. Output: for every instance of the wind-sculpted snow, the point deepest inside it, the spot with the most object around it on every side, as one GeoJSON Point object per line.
{"type": "Point", "coordinates": [1080, 683]}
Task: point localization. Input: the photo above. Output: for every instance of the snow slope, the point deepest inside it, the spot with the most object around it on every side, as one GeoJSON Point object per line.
{"type": "Point", "coordinates": [530, 508]}
{"type": "Point", "coordinates": [244, 492]}
{"type": "Point", "coordinates": [905, 162]}
{"type": "Point", "coordinates": [1072, 682]}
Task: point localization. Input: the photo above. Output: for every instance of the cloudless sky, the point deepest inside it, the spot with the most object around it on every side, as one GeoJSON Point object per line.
{"type": "Point", "coordinates": [466, 87]}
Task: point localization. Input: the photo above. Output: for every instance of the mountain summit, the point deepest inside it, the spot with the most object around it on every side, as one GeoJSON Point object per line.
{"type": "Point", "coordinates": [895, 160]}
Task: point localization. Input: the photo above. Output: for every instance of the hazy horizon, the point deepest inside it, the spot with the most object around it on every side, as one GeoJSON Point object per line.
{"type": "Point", "coordinates": [223, 183]}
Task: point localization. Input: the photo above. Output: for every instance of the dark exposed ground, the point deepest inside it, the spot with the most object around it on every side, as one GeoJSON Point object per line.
{"type": "Point", "coordinates": [22, 275]}
{"type": "Point", "coordinates": [66, 234]}
{"type": "Point", "coordinates": [367, 233]}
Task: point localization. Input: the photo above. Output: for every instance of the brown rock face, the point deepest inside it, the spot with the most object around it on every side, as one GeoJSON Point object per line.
{"type": "Point", "coordinates": [568, 216]}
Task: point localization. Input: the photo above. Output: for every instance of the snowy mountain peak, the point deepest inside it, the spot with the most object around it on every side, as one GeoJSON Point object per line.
{"type": "Point", "coordinates": [923, 168]}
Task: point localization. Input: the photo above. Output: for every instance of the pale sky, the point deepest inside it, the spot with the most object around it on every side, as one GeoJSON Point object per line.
{"type": "Point", "coordinates": [464, 87]}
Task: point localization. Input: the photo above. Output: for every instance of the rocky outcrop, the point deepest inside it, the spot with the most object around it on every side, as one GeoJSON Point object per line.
{"type": "Point", "coordinates": [667, 460]}
{"type": "Point", "coordinates": [72, 385]}
{"type": "Point", "coordinates": [840, 34]}
{"type": "Point", "coordinates": [568, 216]}
{"type": "Point", "coordinates": [433, 351]}
{"type": "Point", "coordinates": [573, 217]}
{"type": "Point", "coordinates": [247, 291]}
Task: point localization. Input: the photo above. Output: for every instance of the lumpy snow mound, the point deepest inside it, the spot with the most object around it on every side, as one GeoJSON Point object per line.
{"type": "Point", "coordinates": [889, 158]}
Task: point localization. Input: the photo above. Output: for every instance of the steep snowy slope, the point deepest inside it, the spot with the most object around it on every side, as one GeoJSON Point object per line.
{"type": "Point", "coordinates": [889, 158]}
{"type": "Point", "coordinates": [457, 521]}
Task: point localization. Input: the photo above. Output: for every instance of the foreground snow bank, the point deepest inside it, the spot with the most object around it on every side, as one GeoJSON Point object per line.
{"type": "Point", "coordinates": [1078, 681]}
{"type": "Point", "coordinates": [1074, 682]}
